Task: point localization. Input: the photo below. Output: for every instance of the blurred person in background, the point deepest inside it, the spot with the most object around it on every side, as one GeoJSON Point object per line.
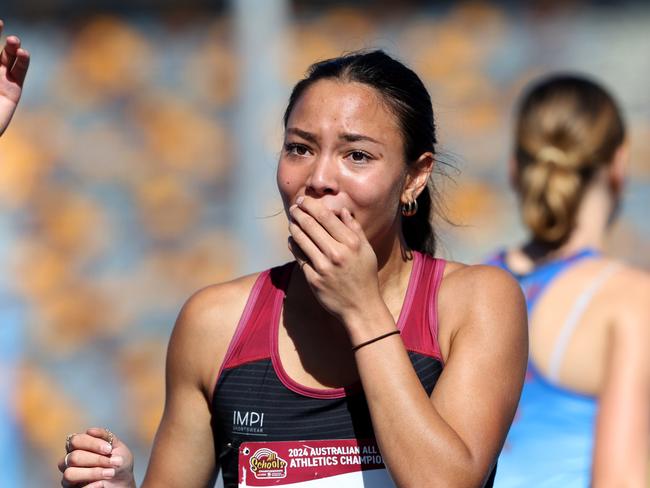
{"type": "Point", "coordinates": [14, 62]}
{"type": "Point", "coordinates": [583, 418]}
{"type": "Point", "coordinates": [366, 339]}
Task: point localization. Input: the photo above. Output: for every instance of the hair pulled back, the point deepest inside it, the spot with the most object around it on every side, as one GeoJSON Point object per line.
{"type": "Point", "coordinates": [405, 95]}
{"type": "Point", "coordinates": [567, 128]}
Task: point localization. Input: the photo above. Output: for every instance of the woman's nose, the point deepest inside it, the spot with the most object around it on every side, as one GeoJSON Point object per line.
{"type": "Point", "coordinates": [323, 179]}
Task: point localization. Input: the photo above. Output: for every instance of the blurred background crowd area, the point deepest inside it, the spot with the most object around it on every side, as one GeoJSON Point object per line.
{"type": "Point", "coordinates": [140, 167]}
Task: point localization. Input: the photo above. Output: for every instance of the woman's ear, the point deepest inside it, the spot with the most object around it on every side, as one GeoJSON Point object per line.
{"type": "Point", "coordinates": [417, 177]}
{"type": "Point", "coordinates": [618, 168]}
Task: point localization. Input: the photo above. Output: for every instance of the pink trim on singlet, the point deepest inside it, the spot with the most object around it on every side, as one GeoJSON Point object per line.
{"type": "Point", "coordinates": [439, 271]}
{"type": "Point", "coordinates": [257, 333]}
{"type": "Point", "coordinates": [241, 325]}
{"type": "Point", "coordinates": [423, 339]}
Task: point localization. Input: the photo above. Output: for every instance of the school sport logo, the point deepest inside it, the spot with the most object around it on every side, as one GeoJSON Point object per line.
{"type": "Point", "coordinates": [266, 464]}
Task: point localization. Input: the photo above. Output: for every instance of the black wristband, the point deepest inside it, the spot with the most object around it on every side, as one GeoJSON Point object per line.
{"type": "Point", "coordinates": [378, 338]}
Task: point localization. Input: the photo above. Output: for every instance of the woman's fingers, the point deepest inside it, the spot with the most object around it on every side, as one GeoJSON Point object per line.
{"type": "Point", "coordinates": [303, 226]}
{"type": "Point", "coordinates": [96, 484]}
{"type": "Point", "coordinates": [323, 237]}
{"type": "Point", "coordinates": [92, 458]}
{"type": "Point", "coordinates": [310, 227]}
{"type": "Point", "coordinates": [73, 476]}
{"type": "Point", "coordinates": [353, 224]}
{"type": "Point", "coordinates": [21, 64]}
{"type": "Point", "coordinates": [85, 459]}
{"type": "Point", "coordinates": [300, 256]}
{"type": "Point", "coordinates": [325, 218]}
{"type": "Point", "coordinates": [309, 251]}
{"type": "Point", "coordinates": [9, 52]}
{"type": "Point", "coordinates": [105, 434]}
{"type": "Point", "coordinates": [88, 442]}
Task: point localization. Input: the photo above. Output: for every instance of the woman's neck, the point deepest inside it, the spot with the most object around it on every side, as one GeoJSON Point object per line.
{"type": "Point", "coordinates": [591, 223]}
{"type": "Point", "coordinates": [394, 263]}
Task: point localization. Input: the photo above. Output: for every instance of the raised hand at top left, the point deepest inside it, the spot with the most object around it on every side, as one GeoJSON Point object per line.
{"type": "Point", "coordinates": [14, 62]}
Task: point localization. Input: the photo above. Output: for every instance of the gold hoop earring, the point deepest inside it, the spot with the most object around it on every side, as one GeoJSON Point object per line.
{"type": "Point", "coordinates": [410, 208]}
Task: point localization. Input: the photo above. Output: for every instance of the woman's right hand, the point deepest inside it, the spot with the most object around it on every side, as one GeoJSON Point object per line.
{"type": "Point", "coordinates": [92, 462]}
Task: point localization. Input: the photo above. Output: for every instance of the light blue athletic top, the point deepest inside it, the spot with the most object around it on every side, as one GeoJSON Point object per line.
{"type": "Point", "coordinates": [550, 442]}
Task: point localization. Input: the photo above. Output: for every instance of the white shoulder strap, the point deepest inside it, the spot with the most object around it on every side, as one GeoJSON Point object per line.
{"type": "Point", "coordinates": [571, 322]}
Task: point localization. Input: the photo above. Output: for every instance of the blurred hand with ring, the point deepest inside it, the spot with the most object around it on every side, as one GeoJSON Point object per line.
{"type": "Point", "coordinates": [96, 459]}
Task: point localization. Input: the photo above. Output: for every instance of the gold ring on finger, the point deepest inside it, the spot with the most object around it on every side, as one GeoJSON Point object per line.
{"type": "Point", "coordinates": [68, 442]}
{"type": "Point", "coordinates": [111, 437]}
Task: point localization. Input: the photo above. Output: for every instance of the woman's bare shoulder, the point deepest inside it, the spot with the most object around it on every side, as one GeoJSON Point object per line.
{"type": "Point", "coordinates": [627, 293]}
{"type": "Point", "coordinates": [631, 275]}
{"type": "Point", "coordinates": [220, 298]}
{"type": "Point", "coordinates": [215, 309]}
{"type": "Point", "coordinates": [463, 279]}
{"type": "Point", "coordinates": [480, 296]}
{"type": "Point", "coordinates": [204, 328]}
{"type": "Point", "coordinates": [624, 301]}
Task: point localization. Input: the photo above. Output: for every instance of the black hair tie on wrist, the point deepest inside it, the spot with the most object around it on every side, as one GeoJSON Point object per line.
{"type": "Point", "coordinates": [378, 338]}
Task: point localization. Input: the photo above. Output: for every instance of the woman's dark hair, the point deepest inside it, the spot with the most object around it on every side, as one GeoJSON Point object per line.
{"type": "Point", "coordinates": [568, 127]}
{"type": "Point", "coordinates": [405, 95]}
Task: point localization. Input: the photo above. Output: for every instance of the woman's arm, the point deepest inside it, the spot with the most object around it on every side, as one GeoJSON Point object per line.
{"type": "Point", "coordinates": [183, 449]}
{"type": "Point", "coordinates": [453, 438]}
{"type": "Point", "coordinates": [14, 62]}
{"type": "Point", "coordinates": [622, 448]}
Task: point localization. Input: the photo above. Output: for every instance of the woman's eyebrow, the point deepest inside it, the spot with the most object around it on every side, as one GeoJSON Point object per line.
{"type": "Point", "coordinates": [346, 136]}
{"type": "Point", "coordinates": [351, 137]}
{"type": "Point", "coordinates": [308, 136]}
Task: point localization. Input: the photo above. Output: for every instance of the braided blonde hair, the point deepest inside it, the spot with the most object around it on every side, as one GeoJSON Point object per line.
{"type": "Point", "coordinates": [567, 128]}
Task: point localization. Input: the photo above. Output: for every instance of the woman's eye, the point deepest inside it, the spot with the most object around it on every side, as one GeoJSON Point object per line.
{"type": "Point", "coordinates": [296, 149]}
{"type": "Point", "coordinates": [359, 156]}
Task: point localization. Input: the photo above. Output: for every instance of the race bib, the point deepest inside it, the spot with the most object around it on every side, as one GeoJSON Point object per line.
{"type": "Point", "coordinates": [347, 463]}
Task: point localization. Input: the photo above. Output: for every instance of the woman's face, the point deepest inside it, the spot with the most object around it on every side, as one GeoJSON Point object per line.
{"type": "Point", "coordinates": [344, 147]}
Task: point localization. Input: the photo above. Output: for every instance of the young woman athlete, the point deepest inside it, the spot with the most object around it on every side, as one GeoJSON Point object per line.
{"type": "Point", "coordinates": [584, 417]}
{"type": "Point", "coordinates": [367, 361]}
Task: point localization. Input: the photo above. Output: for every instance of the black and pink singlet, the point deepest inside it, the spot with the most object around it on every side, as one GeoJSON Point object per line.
{"type": "Point", "coordinates": [271, 431]}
